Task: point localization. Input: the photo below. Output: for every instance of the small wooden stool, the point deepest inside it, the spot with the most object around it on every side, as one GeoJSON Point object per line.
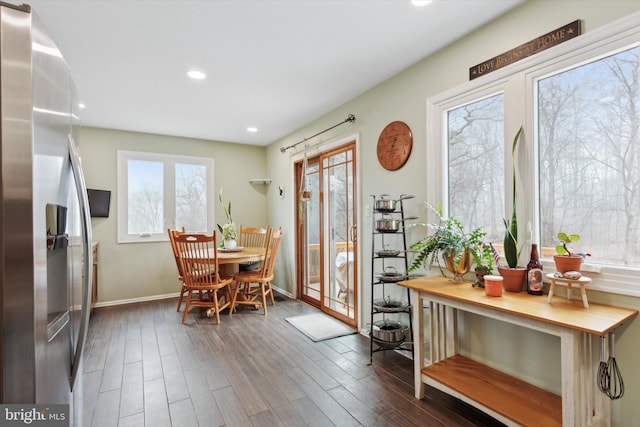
{"type": "Point", "coordinates": [582, 281]}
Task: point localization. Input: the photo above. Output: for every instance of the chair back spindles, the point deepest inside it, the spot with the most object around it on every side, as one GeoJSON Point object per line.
{"type": "Point", "coordinates": [261, 278]}
{"type": "Point", "coordinates": [269, 265]}
{"type": "Point", "coordinates": [253, 237]}
{"type": "Point", "coordinates": [172, 235]}
{"type": "Point", "coordinates": [199, 260]}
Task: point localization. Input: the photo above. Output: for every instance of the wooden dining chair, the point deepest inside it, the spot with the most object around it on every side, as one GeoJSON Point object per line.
{"type": "Point", "coordinates": [172, 235]}
{"type": "Point", "coordinates": [199, 260]}
{"type": "Point", "coordinates": [254, 286]}
{"type": "Point", "coordinates": [252, 237]}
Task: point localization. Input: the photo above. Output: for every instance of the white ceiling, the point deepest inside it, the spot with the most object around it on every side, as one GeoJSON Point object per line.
{"type": "Point", "coordinates": [272, 64]}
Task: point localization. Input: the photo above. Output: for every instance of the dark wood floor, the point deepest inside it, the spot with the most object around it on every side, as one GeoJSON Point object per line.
{"type": "Point", "coordinates": [143, 367]}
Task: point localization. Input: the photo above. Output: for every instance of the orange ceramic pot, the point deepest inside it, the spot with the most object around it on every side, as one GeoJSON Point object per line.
{"type": "Point", "coordinates": [513, 278]}
{"type": "Point", "coordinates": [566, 263]}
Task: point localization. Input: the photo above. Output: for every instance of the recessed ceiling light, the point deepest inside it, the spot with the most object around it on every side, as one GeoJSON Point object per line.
{"type": "Point", "coordinates": [420, 2]}
{"type": "Point", "coordinates": [81, 105]}
{"type": "Point", "coordinates": [252, 129]}
{"type": "Point", "coordinates": [196, 75]}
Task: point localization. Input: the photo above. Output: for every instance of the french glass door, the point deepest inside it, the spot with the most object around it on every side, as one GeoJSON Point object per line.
{"type": "Point", "coordinates": [327, 232]}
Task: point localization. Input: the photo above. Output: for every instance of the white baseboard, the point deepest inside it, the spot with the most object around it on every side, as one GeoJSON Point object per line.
{"type": "Point", "coordinates": [167, 296]}
{"type": "Point", "coordinates": [282, 292]}
{"type": "Point", "coordinates": [135, 300]}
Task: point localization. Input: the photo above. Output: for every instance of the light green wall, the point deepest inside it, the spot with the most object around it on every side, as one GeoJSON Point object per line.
{"type": "Point", "coordinates": [532, 356]}
{"type": "Point", "coordinates": [144, 270]}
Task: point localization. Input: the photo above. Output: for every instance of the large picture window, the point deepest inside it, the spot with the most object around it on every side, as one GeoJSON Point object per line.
{"type": "Point", "coordinates": [589, 142]}
{"type": "Point", "coordinates": [578, 162]}
{"type": "Point", "coordinates": [158, 191]}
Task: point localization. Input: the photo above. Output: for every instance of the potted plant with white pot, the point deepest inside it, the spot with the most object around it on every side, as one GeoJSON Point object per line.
{"type": "Point", "coordinates": [229, 230]}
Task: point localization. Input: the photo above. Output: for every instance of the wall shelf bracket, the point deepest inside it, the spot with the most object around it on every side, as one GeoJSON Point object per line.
{"type": "Point", "coordinates": [262, 181]}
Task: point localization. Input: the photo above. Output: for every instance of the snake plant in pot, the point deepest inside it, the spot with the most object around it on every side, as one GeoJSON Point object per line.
{"type": "Point", "coordinates": [513, 275]}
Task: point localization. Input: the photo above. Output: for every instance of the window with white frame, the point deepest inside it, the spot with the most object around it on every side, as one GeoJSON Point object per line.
{"type": "Point", "coordinates": [589, 162]}
{"type": "Point", "coordinates": [578, 163]}
{"type": "Point", "coordinates": [475, 142]}
{"type": "Point", "coordinates": [160, 191]}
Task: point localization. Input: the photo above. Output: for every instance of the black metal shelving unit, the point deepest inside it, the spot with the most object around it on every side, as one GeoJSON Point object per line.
{"type": "Point", "coordinates": [380, 282]}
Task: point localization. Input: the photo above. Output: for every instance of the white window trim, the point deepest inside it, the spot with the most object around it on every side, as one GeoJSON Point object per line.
{"type": "Point", "coordinates": [517, 80]}
{"type": "Point", "coordinates": [169, 161]}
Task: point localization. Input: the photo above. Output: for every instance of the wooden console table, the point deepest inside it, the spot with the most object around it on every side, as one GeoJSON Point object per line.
{"type": "Point", "coordinates": [508, 399]}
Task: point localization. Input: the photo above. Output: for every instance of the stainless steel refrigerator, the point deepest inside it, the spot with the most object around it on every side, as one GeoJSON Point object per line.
{"type": "Point", "coordinates": [45, 226]}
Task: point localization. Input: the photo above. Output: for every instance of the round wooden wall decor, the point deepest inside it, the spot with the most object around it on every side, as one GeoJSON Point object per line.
{"type": "Point", "coordinates": [394, 145]}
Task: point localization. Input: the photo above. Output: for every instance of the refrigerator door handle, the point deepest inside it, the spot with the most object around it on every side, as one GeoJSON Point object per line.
{"type": "Point", "coordinates": [85, 221]}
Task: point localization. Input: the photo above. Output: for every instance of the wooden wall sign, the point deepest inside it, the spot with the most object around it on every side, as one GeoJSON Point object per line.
{"type": "Point", "coordinates": [525, 50]}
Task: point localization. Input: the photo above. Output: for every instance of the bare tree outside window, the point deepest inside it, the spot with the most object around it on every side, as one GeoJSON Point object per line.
{"type": "Point", "coordinates": [191, 197]}
{"type": "Point", "coordinates": [338, 177]}
{"type": "Point", "coordinates": [145, 199]}
{"type": "Point", "coordinates": [476, 165]}
{"type": "Point", "coordinates": [589, 169]}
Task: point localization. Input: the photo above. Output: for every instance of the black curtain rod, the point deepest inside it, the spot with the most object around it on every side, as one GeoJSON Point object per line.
{"type": "Point", "coordinates": [351, 118]}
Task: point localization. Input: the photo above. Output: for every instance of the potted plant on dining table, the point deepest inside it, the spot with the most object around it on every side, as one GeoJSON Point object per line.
{"type": "Point", "coordinates": [229, 230]}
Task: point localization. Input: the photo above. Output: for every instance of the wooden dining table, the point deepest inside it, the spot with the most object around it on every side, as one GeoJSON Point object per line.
{"type": "Point", "coordinates": [245, 255]}
{"type": "Point", "coordinates": [230, 260]}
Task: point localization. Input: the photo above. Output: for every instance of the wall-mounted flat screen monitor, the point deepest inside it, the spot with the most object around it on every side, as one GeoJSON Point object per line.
{"type": "Point", "coordinates": [99, 201]}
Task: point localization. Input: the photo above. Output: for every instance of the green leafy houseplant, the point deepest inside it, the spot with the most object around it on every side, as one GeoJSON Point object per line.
{"type": "Point", "coordinates": [448, 241]}
{"type": "Point", "coordinates": [483, 257]}
{"type": "Point", "coordinates": [566, 239]}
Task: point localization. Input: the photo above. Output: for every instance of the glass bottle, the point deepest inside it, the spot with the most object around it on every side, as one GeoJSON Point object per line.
{"type": "Point", "coordinates": [534, 272]}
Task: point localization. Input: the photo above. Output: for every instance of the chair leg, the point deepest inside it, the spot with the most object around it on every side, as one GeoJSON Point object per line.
{"type": "Point", "coordinates": [264, 298]}
{"type": "Point", "coordinates": [232, 307]}
{"type": "Point", "coordinates": [273, 301]}
{"type": "Point", "coordinates": [186, 306]}
{"type": "Point", "coordinates": [216, 307]}
{"type": "Point", "coordinates": [180, 297]}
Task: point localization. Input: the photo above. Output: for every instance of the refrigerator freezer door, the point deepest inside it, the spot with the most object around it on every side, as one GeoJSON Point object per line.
{"type": "Point", "coordinates": [45, 231]}
{"type": "Point", "coordinates": [17, 321]}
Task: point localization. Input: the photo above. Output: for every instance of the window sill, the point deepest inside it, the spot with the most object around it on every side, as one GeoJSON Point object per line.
{"type": "Point", "coordinates": [614, 280]}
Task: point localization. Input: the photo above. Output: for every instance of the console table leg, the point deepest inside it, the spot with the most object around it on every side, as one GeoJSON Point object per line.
{"type": "Point", "coordinates": [418, 342]}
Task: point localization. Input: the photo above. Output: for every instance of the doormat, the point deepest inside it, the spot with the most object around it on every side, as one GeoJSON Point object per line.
{"type": "Point", "coordinates": [319, 326]}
